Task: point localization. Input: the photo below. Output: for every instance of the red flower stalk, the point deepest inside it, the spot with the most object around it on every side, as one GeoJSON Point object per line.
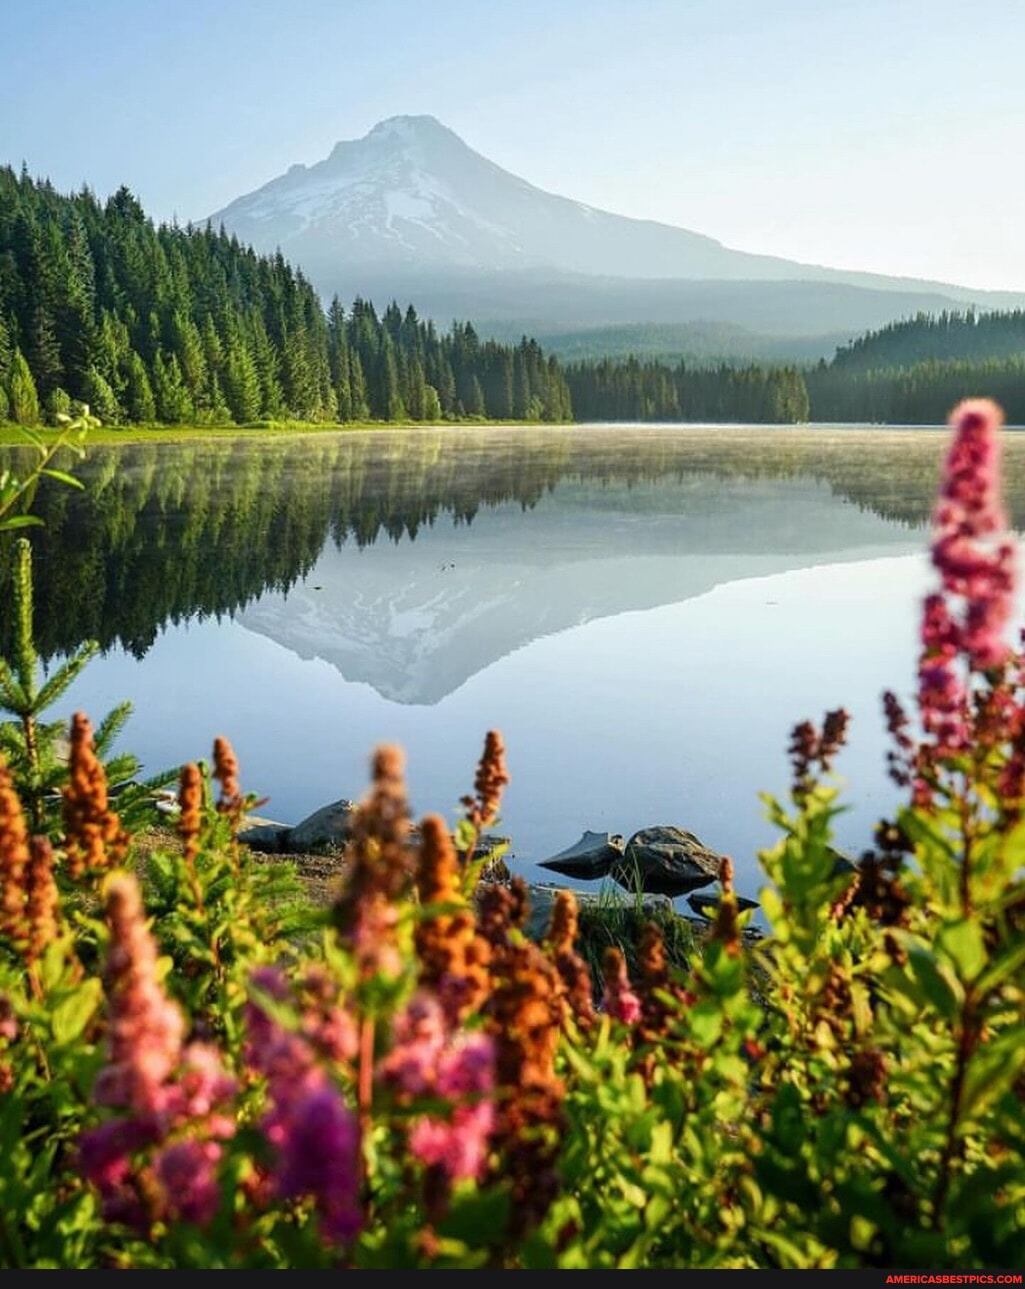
{"type": "Point", "coordinates": [94, 839]}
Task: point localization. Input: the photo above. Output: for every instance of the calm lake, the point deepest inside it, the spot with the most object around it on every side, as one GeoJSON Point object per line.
{"type": "Point", "coordinates": [643, 612]}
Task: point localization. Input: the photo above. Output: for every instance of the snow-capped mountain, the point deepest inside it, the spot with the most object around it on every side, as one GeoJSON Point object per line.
{"type": "Point", "coordinates": [411, 212]}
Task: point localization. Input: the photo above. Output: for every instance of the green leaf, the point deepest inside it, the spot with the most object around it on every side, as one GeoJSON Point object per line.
{"type": "Point", "coordinates": [1001, 968]}
{"type": "Point", "coordinates": [938, 982]}
{"type": "Point", "coordinates": [62, 477]}
{"type": "Point", "coordinates": [993, 1069]}
{"type": "Point", "coordinates": [465, 835]}
{"type": "Point", "coordinates": [70, 1016]}
{"type": "Point", "coordinates": [961, 942]}
{"type": "Point", "coordinates": [20, 521]}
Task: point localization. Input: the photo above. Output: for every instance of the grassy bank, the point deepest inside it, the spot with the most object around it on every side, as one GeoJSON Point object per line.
{"type": "Point", "coordinates": [105, 434]}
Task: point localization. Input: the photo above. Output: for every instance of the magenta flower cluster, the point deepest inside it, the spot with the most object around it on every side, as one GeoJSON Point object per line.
{"type": "Point", "coordinates": [430, 1059]}
{"type": "Point", "coordinates": [177, 1102]}
{"type": "Point", "coordinates": [314, 1134]}
{"type": "Point", "coordinates": [968, 617]}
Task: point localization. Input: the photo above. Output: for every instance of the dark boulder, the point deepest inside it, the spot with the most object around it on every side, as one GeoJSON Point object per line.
{"type": "Point", "coordinates": [666, 860]}
{"type": "Point", "coordinates": [590, 857]}
{"type": "Point", "coordinates": [706, 903]}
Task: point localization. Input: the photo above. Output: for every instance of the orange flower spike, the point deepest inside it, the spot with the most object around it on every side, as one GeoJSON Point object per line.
{"type": "Point", "coordinates": [453, 956]}
{"type": "Point", "coordinates": [573, 970]}
{"type": "Point", "coordinates": [43, 899]}
{"type": "Point", "coordinates": [93, 837]}
{"type": "Point", "coordinates": [225, 771]}
{"type": "Point", "coordinates": [14, 859]}
{"type": "Point", "coordinates": [726, 930]}
{"type": "Point", "coordinates": [492, 777]}
{"type": "Point", "coordinates": [190, 802]}
{"type": "Point", "coordinates": [379, 870]}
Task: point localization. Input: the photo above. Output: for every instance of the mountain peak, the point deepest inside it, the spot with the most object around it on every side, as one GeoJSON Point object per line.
{"type": "Point", "coordinates": [404, 127]}
{"type": "Point", "coordinates": [410, 205]}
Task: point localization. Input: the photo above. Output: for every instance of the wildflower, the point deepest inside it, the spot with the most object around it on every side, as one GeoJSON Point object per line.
{"type": "Point", "coordinates": [810, 749]}
{"type": "Point", "coordinates": [523, 1016]}
{"type": "Point", "coordinates": [319, 1155]}
{"type": "Point", "coordinates": [618, 1000]}
{"type": "Point", "coordinates": [94, 839]}
{"type": "Point", "coordinates": [42, 899]}
{"type": "Point", "coordinates": [963, 623]}
{"type": "Point", "coordinates": [430, 1058]}
{"type": "Point", "coordinates": [190, 813]}
{"type": "Point", "coordinates": [315, 1137]}
{"type": "Point", "coordinates": [226, 773]}
{"type": "Point", "coordinates": [187, 1173]}
{"type": "Point", "coordinates": [379, 870]}
{"type": "Point", "coordinates": [8, 1033]}
{"type": "Point", "coordinates": [560, 943]}
{"type": "Point", "coordinates": [159, 1159]}
{"type": "Point", "coordinates": [726, 930]}
{"type": "Point", "coordinates": [899, 758]}
{"type": "Point", "coordinates": [14, 859]}
{"type": "Point", "coordinates": [867, 1075]}
{"type": "Point", "coordinates": [145, 1027]}
{"type": "Point", "coordinates": [326, 1023]}
{"type": "Point", "coordinates": [453, 956]}
{"type": "Point", "coordinates": [660, 997]}
{"type": "Point", "coordinates": [492, 777]}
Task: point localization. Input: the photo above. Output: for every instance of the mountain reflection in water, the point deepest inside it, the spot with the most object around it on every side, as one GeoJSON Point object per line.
{"type": "Point", "coordinates": [643, 612]}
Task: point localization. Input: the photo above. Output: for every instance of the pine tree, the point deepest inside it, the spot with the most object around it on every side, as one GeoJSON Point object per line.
{"type": "Point", "coordinates": [242, 385]}
{"type": "Point", "coordinates": [21, 392]}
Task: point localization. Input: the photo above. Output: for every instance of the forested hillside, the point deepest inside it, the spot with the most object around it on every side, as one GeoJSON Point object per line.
{"type": "Point", "coordinates": [167, 326]}
{"type": "Point", "coordinates": [171, 325]}
{"type": "Point", "coordinates": [914, 371]}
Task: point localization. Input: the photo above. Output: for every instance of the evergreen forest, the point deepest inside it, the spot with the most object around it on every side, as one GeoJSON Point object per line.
{"type": "Point", "coordinates": [163, 325]}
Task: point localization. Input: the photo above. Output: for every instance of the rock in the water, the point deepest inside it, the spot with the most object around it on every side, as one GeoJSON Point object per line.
{"type": "Point", "coordinates": [592, 856]}
{"type": "Point", "coordinates": [331, 825]}
{"type": "Point", "coordinates": [706, 904]}
{"type": "Point", "coordinates": [666, 860]}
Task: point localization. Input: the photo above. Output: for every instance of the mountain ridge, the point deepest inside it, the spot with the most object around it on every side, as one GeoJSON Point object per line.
{"type": "Point", "coordinates": [411, 212]}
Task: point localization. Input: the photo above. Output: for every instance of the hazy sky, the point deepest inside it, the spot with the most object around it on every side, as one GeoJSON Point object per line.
{"type": "Point", "coordinates": [886, 135]}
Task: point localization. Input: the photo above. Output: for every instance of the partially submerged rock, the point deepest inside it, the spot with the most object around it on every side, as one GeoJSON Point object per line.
{"type": "Point", "coordinates": [590, 857]}
{"type": "Point", "coordinates": [666, 860]}
{"type": "Point", "coordinates": [706, 903]}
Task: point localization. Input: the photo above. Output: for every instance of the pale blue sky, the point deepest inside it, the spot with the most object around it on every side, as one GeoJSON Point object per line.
{"type": "Point", "coordinates": [886, 135]}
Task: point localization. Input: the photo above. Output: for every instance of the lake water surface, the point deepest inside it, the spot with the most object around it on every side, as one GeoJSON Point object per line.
{"type": "Point", "coordinates": [643, 612]}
